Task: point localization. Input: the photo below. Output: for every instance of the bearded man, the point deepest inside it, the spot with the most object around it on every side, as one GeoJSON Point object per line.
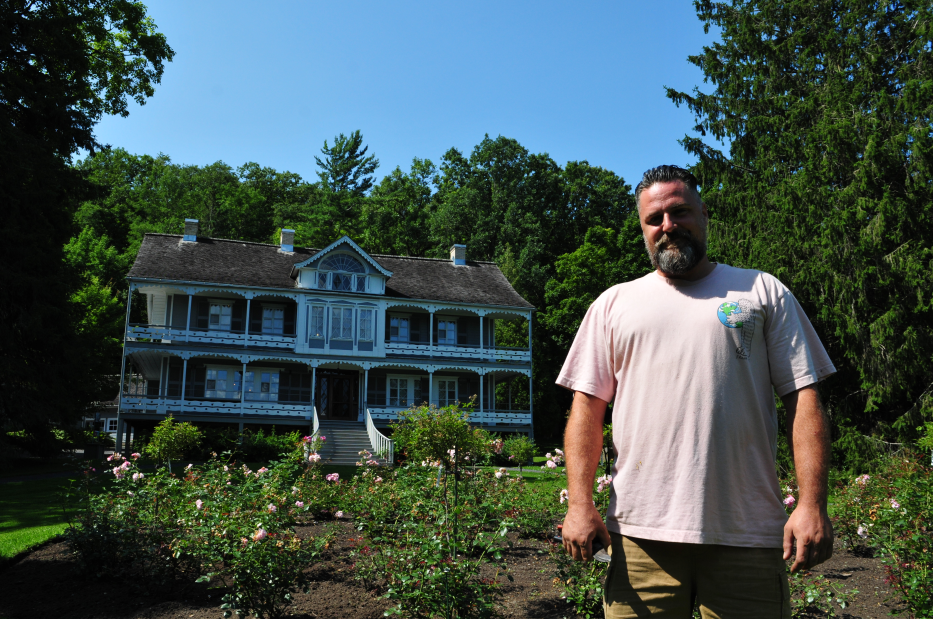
{"type": "Point", "coordinates": [691, 356]}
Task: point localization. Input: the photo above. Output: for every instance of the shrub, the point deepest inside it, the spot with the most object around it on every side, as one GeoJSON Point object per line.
{"type": "Point", "coordinates": [890, 510]}
{"type": "Point", "coordinates": [520, 449]}
{"type": "Point", "coordinates": [439, 435]}
{"type": "Point", "coordinates": [171, 441]}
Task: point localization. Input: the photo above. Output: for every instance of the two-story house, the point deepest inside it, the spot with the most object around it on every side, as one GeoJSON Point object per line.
{"type": "Point", "coordinates": [250, 333]}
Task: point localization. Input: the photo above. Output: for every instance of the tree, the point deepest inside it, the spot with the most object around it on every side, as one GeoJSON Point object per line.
{"type": "Point", "coordinates": [345, 167]}
{"type": "Point", "coordinates": [828, 110]}
{"type": "Point", "coordinates": [397, 216]}
{"type": "Point", "coordinates": [62, 66]}
{"type": "Point", "coordinates": [171, 441]}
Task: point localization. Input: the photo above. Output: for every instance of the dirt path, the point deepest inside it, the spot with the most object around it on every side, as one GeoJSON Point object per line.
{"type": "Point", "coordinates": [45, 584]}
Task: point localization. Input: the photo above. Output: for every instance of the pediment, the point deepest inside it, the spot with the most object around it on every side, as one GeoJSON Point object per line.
{"type": "Point", "coordinates": [341, 245]}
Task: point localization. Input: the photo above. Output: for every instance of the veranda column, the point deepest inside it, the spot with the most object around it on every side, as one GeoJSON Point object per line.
{"type": "Point", "coordinates": [188, 320]}
{"type": "Point", "coordinates": [531, 406]}
{"type": "Point", "coordinates": [243, 386]}
{"type": "Point", "coordinates": [119, 441]}
{"type": "Point", "coordinates": [313, 387]}
{"type": "Point", "coordinates": [482, 319]}
{"type": "Point", "coordinates": [430, 387]}
{"type": "Point", "coordinates": [481, 377]}
{"type": "Point", "coordinates": [246, 325]}
{"type": "Point", "coordinates": [184, 382]}
{"type": "Point", "coordinates": [366, 389]}
{"type": "Point", "coordinates": [431, 329]}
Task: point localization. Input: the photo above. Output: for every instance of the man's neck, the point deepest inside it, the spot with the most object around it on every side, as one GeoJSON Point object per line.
{"type": "Point", "coordinates": [704, 268]}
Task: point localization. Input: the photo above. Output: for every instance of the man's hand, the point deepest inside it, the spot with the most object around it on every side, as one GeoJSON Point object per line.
{"type": "Point", "coordinates": [811, 528]}
{"type": "Point", "coordinates": [582, 525]}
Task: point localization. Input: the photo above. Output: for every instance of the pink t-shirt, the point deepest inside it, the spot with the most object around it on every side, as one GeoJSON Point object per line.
{"type": "Point", "coordinates": [689, 368]}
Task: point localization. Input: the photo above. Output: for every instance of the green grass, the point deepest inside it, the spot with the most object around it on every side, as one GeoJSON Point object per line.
{"type": "Point", "coordinates": [30, 513]}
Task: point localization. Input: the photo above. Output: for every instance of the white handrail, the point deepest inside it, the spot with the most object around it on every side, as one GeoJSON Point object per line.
{"type": "Point", "coordinates": [379, 441]}
{"type": "Point", "coordinates": [316, 424]}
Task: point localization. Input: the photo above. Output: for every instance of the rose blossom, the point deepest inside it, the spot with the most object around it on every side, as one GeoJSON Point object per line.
{"type": "Point", "coordinates": [299, 504]}
{"type": "Point", "coordinates": [259, 535]}
{"type": "Point", "coordinates": [198, 503]}
{"type": "Point", "coordinates": [272, 508]}
{"type": "Point", "coordinates": [338, 515]}
{"type": "Point", "coordinates": [862, 532]}
{"type": "Point", "coordinates": [564, 496]}
{"type": "Point", "coordinates": [332, 477]}
{"type": "Point", "coordinates": [790, 500]}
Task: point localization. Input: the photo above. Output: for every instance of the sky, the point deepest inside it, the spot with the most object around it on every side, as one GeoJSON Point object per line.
{"type": "Point", "coordinates": [270, 82]}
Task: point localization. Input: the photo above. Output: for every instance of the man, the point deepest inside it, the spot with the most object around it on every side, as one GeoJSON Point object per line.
{"type": "Point", "coordinates": [691, 356]}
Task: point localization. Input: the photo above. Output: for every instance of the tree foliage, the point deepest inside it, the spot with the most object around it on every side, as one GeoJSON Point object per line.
{"type": "Point", "coordinates": [62, 66]}
{"type": "Point", "coordinates": [828, 108]}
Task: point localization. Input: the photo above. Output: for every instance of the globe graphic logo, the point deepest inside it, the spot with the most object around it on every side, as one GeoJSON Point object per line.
{"type": "Point", "coordinates": [730, 314]}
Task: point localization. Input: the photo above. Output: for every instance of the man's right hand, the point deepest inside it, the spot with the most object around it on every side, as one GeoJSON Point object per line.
{"type": "Point", "coordinates": [582, 524]}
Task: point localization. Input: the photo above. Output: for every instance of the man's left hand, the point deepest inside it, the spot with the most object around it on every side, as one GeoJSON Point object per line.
{"type": "Point", "coordinates": [811, 528]}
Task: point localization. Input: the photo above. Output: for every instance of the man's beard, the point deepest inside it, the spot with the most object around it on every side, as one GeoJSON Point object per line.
{"type": "Point", "coordinates": [670, 259]}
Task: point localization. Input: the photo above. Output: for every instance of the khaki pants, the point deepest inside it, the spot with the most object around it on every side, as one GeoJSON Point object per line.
{"type": "Point", "coordinates": [665, 579]}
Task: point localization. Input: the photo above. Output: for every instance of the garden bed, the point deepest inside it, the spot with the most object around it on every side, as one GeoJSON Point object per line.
{"type": "Point", "coordinates": [46, 583]}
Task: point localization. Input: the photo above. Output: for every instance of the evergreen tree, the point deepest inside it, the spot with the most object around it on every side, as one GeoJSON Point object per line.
{"type": "Point", "coordinates": [828, 107]}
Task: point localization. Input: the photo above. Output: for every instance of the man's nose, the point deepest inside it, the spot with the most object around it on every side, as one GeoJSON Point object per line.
{"type": "Point", "coordinates": [668, 224]}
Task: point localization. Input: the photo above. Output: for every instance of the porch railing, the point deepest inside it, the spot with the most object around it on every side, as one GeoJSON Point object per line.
{"type": "Point", "coordinates": [203, 336]}
{"type": "Point", "coordinates": [470, 351]}
{"type": "Point", "coordinates": [381, 443]}
{"type": "Point", "coordinates": [163, 406]}
{"type": "Point", "coordinates": [390, 413]}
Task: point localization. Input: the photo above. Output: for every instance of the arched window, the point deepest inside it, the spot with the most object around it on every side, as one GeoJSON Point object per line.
{"type": "Point", "coordinates": [347, 273]}
{"type": "Point", "coordinates": [341, 262]}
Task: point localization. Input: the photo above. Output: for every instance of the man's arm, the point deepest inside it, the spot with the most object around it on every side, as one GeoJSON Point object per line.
{"type": "Point", "coordinates": [583, 442]}
{"type": "Point", "coordinates": [808, 436]}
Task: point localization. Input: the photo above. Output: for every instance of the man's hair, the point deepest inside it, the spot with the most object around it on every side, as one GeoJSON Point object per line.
{"type": "Point", "coordinates": [666, 174]}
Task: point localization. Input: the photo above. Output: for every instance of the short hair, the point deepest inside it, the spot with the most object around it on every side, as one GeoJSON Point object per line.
{"type": "Point", "coordinates": [666, 174]}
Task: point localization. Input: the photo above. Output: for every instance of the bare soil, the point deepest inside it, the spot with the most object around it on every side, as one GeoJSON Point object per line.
{"type": "Point", "coordinates": [45, 583]}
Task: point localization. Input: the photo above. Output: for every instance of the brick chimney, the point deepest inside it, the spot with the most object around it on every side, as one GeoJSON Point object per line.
{"type": "Point", "coordinates": [458, 254]}
{"type": "Point", "coordinates": [191, 230]}
{"type": "Point", "coordinates": [287, 240]}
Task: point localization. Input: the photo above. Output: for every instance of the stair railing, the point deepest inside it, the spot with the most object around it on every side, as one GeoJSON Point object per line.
{"type": "Point", "coordinates": [381, 443]}
{"type": "Point", "coordinates": [316, 424]}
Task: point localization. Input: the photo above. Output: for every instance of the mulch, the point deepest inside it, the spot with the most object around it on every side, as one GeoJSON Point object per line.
{"type": "Point", "coordinates": [45, 583]}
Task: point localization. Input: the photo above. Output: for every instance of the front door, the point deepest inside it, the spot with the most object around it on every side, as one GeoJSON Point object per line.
{"type": "Point", "coordinates": [338, 395]}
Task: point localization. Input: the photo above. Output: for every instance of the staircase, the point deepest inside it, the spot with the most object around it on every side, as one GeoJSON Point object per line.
{"type": "Point", "coordinates": [345, 441]}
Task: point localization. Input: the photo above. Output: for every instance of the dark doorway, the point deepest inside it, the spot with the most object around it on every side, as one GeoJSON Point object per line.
{"type": "Point", "coordinates": [338, 394]}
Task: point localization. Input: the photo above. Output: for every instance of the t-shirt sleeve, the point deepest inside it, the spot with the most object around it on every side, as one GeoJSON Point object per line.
{"type": "Point", "coordinates": [796, 356]}
{"type": "Point", "coordinates": [588, 367]}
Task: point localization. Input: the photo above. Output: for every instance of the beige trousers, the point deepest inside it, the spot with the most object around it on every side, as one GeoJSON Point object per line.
{"type": "Point", "coordinates": [648, 578]}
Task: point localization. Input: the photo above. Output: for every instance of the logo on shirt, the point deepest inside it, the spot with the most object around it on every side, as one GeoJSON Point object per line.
{"type": "Point", "coordinates": [739, 315]}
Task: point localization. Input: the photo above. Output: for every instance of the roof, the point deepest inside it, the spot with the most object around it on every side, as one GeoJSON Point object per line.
{"type": "Point", "coordinates": [239, 263]}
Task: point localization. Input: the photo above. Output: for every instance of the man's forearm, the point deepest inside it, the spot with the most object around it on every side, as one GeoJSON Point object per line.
{"type": "Point", "coordinates": [583, 443]}
{"type": "Point", "coordinates": [808, 437]}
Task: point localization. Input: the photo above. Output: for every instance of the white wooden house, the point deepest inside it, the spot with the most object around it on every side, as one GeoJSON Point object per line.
{"type": "Point", "coordinates": [251, 333]}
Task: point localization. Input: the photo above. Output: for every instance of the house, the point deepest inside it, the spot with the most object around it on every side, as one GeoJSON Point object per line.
{"type": "Point", "coordinates": [249, 333]}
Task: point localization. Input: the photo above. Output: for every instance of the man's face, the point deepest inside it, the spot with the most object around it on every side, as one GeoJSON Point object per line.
{"type": "Point", "coordinates": [673, 221]}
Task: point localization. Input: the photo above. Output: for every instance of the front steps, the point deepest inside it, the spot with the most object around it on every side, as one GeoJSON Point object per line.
{"type": "Point", "coordinates": [345, 441]}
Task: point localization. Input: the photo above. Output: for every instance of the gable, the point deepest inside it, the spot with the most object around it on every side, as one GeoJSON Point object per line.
{"type": "Point", "coordinates": [343, 245]}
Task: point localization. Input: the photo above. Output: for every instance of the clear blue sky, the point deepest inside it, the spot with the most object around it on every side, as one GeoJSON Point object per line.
{"type": "Point", "coordinates": [269, 82]}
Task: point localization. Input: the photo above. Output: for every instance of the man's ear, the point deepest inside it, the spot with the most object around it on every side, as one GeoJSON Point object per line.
{"type": "Point", "coordinates": [705, 210]}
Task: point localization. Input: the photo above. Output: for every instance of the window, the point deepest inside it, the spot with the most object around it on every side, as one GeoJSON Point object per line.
{"type": "Point", "coordinates": [111, 425]}
{"type": "Point", "coordinates": [398, 392]}
{"type": "Point", "coordinates": [316, 323]}
{"type": "Point", "coordinates": [446, 391]}
{"type": "Point", "coordinates": [219, 319]}
{"type": "Point", "coordinates": [366, 325]}
{"type": "Point", "coordinates": [417, 395]}
{"type": "Point", "coordinates": [341, 323]}
{"type": "Point", "coordinates": [322, 281]}
{"type": "Point", "coordinates": [222, 383]}
{"type": "Point", "coordinates": [273, 320]}
{"type": "Point", "coordinates": [398, 329]}
{"type": "Point", "coordinates": [262, 385]}
{"type": "Point", "coordinates": [342, 262]}
{"type": "Point", "coordinates": [361, 283]}
{"type": "Point", "coordinates": [447, 332]}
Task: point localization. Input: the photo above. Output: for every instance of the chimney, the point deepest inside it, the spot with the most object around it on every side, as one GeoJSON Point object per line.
{"type": "Point", "coordinates": [191, 230]}
{"type": "Point", "coordinates": [458, 254]}
{"type": "Point", "coordinates": [287, 240]}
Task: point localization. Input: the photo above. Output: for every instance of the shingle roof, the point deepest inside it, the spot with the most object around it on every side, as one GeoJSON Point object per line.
{"type": "Point", "coordinates": [238, 263]}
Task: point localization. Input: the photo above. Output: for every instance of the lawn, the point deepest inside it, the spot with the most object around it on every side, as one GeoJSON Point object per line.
{"type": "Point", "coordinates": [30, 513]}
